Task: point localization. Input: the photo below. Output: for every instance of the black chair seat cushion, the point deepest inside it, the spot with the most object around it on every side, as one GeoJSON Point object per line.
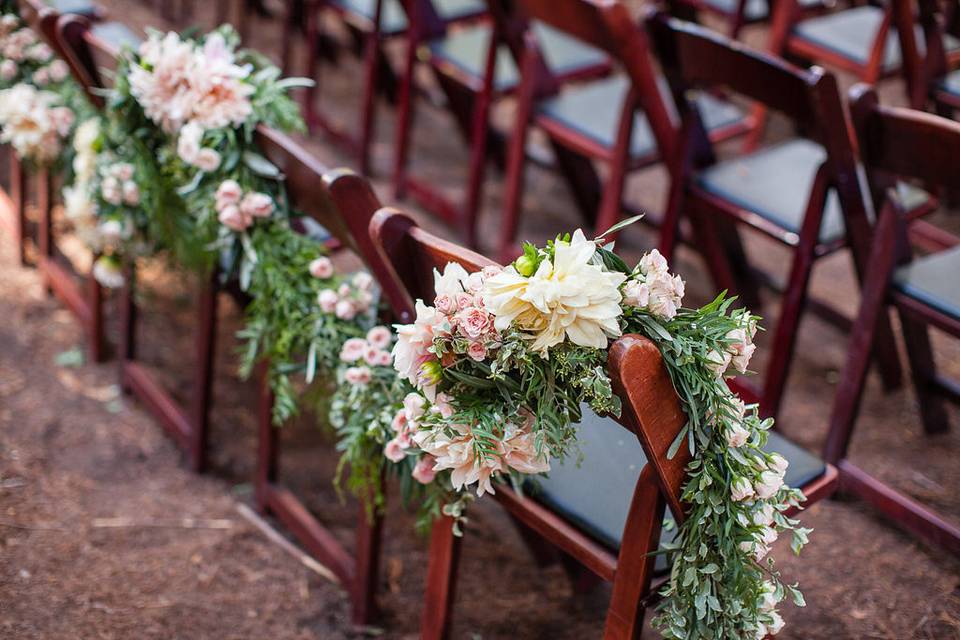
{"type": "Point", "coordinates": [775, 183]}
{"type": "Point", "coordinates": [393, 19]}
{"type": "Point", "coordinates": [596, 496]}
{"type": "Point", "coordinates": [850, 33]}
{"type": "Point", "coordinates": [116, 34]}
{"type": "Point", "coordinates": [933, 280]}
{"type": "Point", "coordinates": [593, 110]}
{"type": "Point", "coordinates": [754, 9]}
{"type": "Point", "coordinates": [466, 50]}
{"type": "Point", "coordinates": [950, 83]}
{"type": "Point", "coordinates": [76, 7]}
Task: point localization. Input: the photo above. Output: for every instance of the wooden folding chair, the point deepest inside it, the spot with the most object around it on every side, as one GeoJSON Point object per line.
{"type": "Point", "coordinates": [371, 24]}
{"type": "Point", "coordinates": [901, 143]}
{"type": "Point", "coordinates": [612, 537]}
{"type": "Point", "coordinates": [474, 67]}
{"type": "Point", "coordinates": [802, 192]}
{"type": "Point", "coordinates": [626, 121]}
{"type": "Point", "coordinates": [936, 80]}
{"type": "Point", "coordinates": [738, 13]}
{"type": "Point", "coordinates": [862, 40]}
{"type": "Point", "coordinates": [81, 294]}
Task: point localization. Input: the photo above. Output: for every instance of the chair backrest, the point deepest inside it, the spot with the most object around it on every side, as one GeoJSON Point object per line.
{"type": "Point", "coordinates": [608, 26]}
{"type": "Point", "coordinates": [85, 54]}
{"type": "Point", "coordinates": [904, 143]}
{"type": "Point", "coordinates": [651, 408]}
{"type": "Point", "coordinates": [694, 57]}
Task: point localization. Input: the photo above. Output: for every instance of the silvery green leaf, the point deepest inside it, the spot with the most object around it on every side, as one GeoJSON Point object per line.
{"type": "Point", "coordinates": [260, 165]}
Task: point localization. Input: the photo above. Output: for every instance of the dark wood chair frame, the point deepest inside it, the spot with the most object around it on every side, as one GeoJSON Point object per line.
{"type": "Point", "coordinates": [788, 12]}
{"type": "Point", "coordinates": [651, 411]}
{"type": "Point", "coordinates": [369, 40]}
{"type": "Point", "coordinates": [897, 143]}
{"type": "Point", "coordinates": [737, 19]}
{"type": "Point", "coordinates": [81, 293]}
{"type": "Point", "coordinates": [936, 18]}
{"type": "Point", "coordinates": [693, 58]}
{"type": "Point", "coordinates": [470, 102]}
{"type": "Point", "coordinates": [13, 202]}
{"type": "Point", "coordinates": [608, 27]}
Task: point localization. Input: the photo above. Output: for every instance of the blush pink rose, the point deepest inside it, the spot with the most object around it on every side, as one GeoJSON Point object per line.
{"type": "Point", "coordinates": [327, 300]}
{"type": "Point", "coordinates": [345, 310]}
{"type": "Point", "coordinates": [465, 300]}
{"type": "Point", "coordinates": [473, 322]}
{"type": "Point", "coordinates": [232, 218]}
{"type": "Point", "coordinates": [229, 192]}
{"type": "Point", "coordinates": [477, 351]}
{"type": "Point", "coordinates": [321, 268]}
{"type": "Point", "coordinates": [353, 349]}
{"type": "Point", "coordinates": [379, 337]}
{"type": "Point", "coordinates": [384, 359]}
{"type": "Point", "coordinates": [258, 205]}
{"type": "Point", "coordinates": [445, 304]}
{"type": "Point", "coordinates": [400, 422]}
{"type": "Point", "coordinates": [357, 375]}
{"type": "Point", "coordinates": [207, 160]}
{"type": "Point", "coordinates": [423, 472]}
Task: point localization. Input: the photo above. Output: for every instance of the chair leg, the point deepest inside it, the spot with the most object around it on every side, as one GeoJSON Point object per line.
{"type": "Point", "coordinates": [18, 195]}
{"type": "Point", "coordinates": [635, 565]}
{"type": "Point", "coordinates": [45, 226]}
{"type": "Point", "coordinates": [312, 27]}
{"type": "Point", "coordinates": [369, 537]}
{"type": "Point", "coordinates": [95, 330]}
{"type": "Point", "coordinates": [513, 190]}
{"type": "Point", "coordinates": [785, 337]}
{"type": "Point", "coordinates": [203, 381]}
{"type": "Point", "coordinates": [268, 442]}
{"type": "Point", "coordinates": [932, 408]}
{"type": "Point", "coordinates": [405, 119]}
{"type": "Point", "coordinates": [128, 320]}
{"type": "Point", "coordinates": [862, 338]}
{"type": "Point", "coordinates": [441, 581]}
{"type": "Point", "coordinates": [371, 57]}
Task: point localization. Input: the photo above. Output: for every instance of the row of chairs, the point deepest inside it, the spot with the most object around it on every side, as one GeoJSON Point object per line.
{"type": "Point", "coordinates": [695, 59]}
{"type": "Point", "coordinates": [401, 255]}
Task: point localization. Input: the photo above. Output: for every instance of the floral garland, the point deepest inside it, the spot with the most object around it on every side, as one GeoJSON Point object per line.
{"type": "Point", "coordinates": [183, 115]}
{"type": "Point", "coordinates": [39, 102]}
{"type": "Point", "coordinates": [491, 380]}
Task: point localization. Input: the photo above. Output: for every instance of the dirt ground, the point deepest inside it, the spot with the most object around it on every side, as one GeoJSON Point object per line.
{"type": "Point", "coordinates": [104, 533]}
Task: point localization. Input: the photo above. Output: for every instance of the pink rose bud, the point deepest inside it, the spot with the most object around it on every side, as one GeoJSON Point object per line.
{"type": "Point", "coordinates": [321, 268]}
{"type": "Point", "coordinates": [423, 472]}
{"type": "Point", "coordinates": [384, 359]}
{"type": "Point", "coordinates": [59, 70]}
{"type": "Point", "coordinates": [394, 450]}
{"type": "Point", "coordinates": [258, 205]}
{"type": "Point", "coordinates": [400, 422]}
{"type": "Point", "coordinates": [363, 280]}
{"type": "Point", "coordinates": [229, 192]}
{"type": "Point", "coordinates": [122, 171]}
{"type": "Point", "coordinates": [327, 299]}
{"type": "Point", "coordinates": [372, 356]}
{"type": "Point", "coordinates": [344, 290]}
{"type": "Point", "coordinates": [357, 375]}
{"type": "Point", "coordinates": [232, 218]}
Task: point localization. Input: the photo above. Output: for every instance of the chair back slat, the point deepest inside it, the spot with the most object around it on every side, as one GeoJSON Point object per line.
{"type": "Point", "coordinates": [695, 57]}
{"type": "Point", "coordinates": [73, 34]}
{"type": "Point", "coordinates": [905, 142]}
{"type": "Point", "coordinates": [651, 408]}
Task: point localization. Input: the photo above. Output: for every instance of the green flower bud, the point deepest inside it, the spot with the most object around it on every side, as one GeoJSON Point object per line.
{"type": "Point", "coordinates": [430, 373]}
{"type": "Point", "coordinates": [525, 266]}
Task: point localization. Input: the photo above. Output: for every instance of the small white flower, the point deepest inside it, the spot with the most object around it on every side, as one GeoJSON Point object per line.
{"type": "Point", "coordinates": [737, 436]}
{"type": "Point", "coordinates": [207, 160]}
{"type": "Point", "coordinates": [769, 484]}
{"type": "Point", "coordinates": [778, 464]}
{"type": "Point", "coordinates": [107, 271]}
{"type": "Point", "coordinates": [327, 299]}
{"type": "Point", "coordinates": [131, 193]}
{"type": "Point", "coordinates": [345, 310]}
{"type": "Point", "coordinates": [741, 490]}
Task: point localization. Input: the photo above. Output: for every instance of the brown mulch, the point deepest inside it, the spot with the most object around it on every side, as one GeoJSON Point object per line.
{"type": "Point", "coordinates": [105, 534]}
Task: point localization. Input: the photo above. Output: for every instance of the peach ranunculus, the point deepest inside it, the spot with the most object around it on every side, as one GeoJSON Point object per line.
{"type": "Point", "coordinates": [569, 298]}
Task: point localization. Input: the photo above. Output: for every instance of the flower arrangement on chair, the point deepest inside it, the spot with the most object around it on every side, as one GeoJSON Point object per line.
{"type": "Point", "coordinates": [492, 377]}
